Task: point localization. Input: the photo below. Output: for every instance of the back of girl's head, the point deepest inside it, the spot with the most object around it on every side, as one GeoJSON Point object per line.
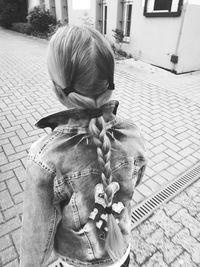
{"type": "Point", "coordinates": [80, 58]}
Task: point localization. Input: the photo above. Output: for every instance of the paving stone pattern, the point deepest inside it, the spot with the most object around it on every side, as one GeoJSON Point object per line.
{"type": "Point", "coordinates": [171, 236]}
{"type": "Point", "coordinates": [169, 121]}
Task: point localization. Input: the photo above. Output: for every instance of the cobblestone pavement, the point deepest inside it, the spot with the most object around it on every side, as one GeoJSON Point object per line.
{"type": "Point", "coordinates": [171, 236]}
{"type": "Point", "coordinates": [165, 106]}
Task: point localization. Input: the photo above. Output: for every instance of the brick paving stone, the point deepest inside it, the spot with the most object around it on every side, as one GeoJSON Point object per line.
{"type": "Point", "coordinates": [3, 158]}
{"type": "Point", "coordinates": [185, 201]}
{"type": "Point", "coordinates": [8, 255]}
{"type": "Point", "coordinates": [15, 141]}
{"type": "Point", "coordinates": [145, 190]}
{"type": "Point", "coordinates": [186, 219]}
{"type": "Point", "coordinates": [146, 228]}
{"type": "Point", "coordinates": [5, 242]}
{"type": "Point", "coordinates": [132, 260]}
{"type": "Point", "coordinates": [184, 260]}
{"type": "Point", "coordinates": [5, 200]}
{"type": "Point", "coordinates": [10, 166]}
{"type": "Point", "coordinates": [20, 173]}
{"type": "Point", "coordinates": [14, 186]}
{"type": "Point", "coordinates": [18, 198]}
{"type": "Point", "coordinates": [140, 248]}
{"type": "Point", "coordinates": [17, 156]}
{"type": "Point", "coordinates": [6, 175]}
{"type": "Point", "coordinates": [171, 208]}
{"type": "Point", "coordinates": [14, 263]}
{"type": "Point", "coordinates": [137, 196]}
{"type": "Point", "coordinates": [169, 250]}
{"type": "Point", "coordinates": [152, 185]}
{"type": "Point", "coordinates": [161, 166]}
{"type": "Point", "coordinates": [13, 211]}
{"type": "Point", "coordinates": [16, 236]}
{"type": "Point", "coordinates": [8, 149]}
{"type": "Point", "coordinates": [10, 226]}
{"type": "Point", "coordinates": [167, 224]}
{"type": "Point", "coordinates": [156, 261]}
{"type": "Point", "coordinates": [3, 186]}
{"type": "Point", "coordinates": [189, 243]}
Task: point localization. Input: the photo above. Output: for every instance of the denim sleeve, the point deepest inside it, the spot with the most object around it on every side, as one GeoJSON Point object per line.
{"type": "Point", "coordinates": [40, 216]}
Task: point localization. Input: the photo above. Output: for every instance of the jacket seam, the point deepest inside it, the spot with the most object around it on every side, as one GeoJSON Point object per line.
{"type": "Point", "coordinates": [55, 134]}
{"type": "Point", "coordinates": [41, 165]}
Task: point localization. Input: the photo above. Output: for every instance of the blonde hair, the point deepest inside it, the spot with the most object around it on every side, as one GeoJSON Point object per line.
{"type": "Point", "coordinates": [80, 58]}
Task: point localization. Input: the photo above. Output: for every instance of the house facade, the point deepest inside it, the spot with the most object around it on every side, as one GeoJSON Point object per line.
{"type": "Point", "coordinates": [164, 33]}
{"type": "Point", "coordinates": [58, 8]}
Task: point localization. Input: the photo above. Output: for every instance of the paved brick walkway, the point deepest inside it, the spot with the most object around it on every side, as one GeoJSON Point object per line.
{"type": "Point", "coordinates": [171, 237]}
{"type": "Point", "coordinates": [165, 106]}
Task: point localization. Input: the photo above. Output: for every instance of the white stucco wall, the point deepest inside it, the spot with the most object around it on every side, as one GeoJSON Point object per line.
{"type": "Point", "coordinates": [189, 47]}
{"type": "Point", "coordinates": [153, 40]}
{"type": "Point", "coordinates": [112, 18]}
{"type": "Point", "coordinates": [33, 3]}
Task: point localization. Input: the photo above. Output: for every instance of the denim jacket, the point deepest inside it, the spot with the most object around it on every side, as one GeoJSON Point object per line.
{"type": "Point", "coordinates": [62, 174]}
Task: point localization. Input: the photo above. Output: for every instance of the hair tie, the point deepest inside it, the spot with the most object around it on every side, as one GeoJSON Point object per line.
{"type": "Point", "coordinates": [108, 210]}
{"type": "Point", "coordinates": [111, 86]}
{"type": "Point", "coordinates": [67, 90]}
{"type": "Point", "coordinates": [95, 112]}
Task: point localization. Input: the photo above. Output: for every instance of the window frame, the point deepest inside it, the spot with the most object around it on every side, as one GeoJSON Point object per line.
{"type": "Point", "coordinates": [164, 13]}
{"type": "Point", "coordinates": [125, 21]}
{"type": "Point", "coordinates": [105, 18]}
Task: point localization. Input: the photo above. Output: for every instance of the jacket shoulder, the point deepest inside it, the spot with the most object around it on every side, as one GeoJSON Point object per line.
{"type": "Point", "coordinates": [40, 151]}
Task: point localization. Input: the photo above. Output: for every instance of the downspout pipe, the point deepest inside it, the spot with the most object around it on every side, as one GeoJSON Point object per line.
{"type": "Point", "coordinates": [180, 33]}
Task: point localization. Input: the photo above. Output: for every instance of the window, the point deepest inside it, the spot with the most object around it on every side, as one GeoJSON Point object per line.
{"type": "Point", "coordinates": [105, 8]}
{"type": "Point", "coordinates": [42, 4]}
{"type": "Point", "coordinates": [128, 20]}
{"type": "Point", "coordinates": [163, 5]}
{"type": "Point", "coordinates": [52, 8]}
{"type": "Point", "coordinates": [65, 11]}
{"type": "Point", "coordinates": [102, 15]}
{"type": "Point", "coordinates": [163, 8]}
{"type": "Point", "coordinates": [126, 14]}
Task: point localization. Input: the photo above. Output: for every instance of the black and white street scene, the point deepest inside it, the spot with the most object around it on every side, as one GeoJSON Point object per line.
{"type": "Point", "coordinates": [145, 159]}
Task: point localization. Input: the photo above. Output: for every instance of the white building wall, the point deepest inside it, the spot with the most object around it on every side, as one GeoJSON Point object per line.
{"type": "Point", "coordinates": [32, 4]}
{"type": "Point", "coordinates": [153, 40]}
{"type": "Point", "coordinates": [189, 47]}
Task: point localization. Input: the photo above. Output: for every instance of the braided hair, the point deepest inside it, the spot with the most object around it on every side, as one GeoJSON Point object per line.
{"type": "Point", "coordinates": [114, 240]}
{"type": "Point", "coordinates": [81, 58]}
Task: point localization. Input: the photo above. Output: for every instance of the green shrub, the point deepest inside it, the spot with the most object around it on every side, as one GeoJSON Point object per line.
{"type": "Point", "coordinates": [12, 11]}
{"type": "Point", "coordinates": [118, 35]}
{"type": "Point", "coordinates": [22, 27]}
{"type": "Point", "coordinates": [122, 52]}
{"type": "Point", "coordinates": [40, 19]}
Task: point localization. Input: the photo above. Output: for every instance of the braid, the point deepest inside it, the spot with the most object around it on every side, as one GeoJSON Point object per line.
{"type": "Point", "coordinates": [114, 244]}
{"type": "Point", "coordinates": [102, 142]}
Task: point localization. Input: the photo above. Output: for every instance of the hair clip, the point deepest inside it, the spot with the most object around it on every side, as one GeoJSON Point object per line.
{"type": "Point", "coordinates": [111, 86]}
{"type": "Point", "coordinates": [67, 90]}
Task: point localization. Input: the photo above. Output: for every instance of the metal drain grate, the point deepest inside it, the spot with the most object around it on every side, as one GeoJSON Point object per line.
{"type": "Point", "coordinates": [147, 207]}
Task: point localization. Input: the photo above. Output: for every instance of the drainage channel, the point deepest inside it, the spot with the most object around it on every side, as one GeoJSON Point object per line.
{"type": "Point", "coordinates": [169, 191]}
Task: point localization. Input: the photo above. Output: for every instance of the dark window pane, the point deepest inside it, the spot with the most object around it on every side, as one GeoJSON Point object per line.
{"type": "Point", "coordinates": [163, 5]}
{"type": "Point", "coordinates": [128, 20]}
{"type": "Point", "coordinates": [105, 20]}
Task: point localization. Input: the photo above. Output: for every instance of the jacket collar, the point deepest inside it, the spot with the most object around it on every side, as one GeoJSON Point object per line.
{"type": "Point", "coordinates": [78, 117]}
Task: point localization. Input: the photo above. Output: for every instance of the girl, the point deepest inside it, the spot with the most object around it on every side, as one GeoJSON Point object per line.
{"type": "Point", "coordinates": [81, 177]}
